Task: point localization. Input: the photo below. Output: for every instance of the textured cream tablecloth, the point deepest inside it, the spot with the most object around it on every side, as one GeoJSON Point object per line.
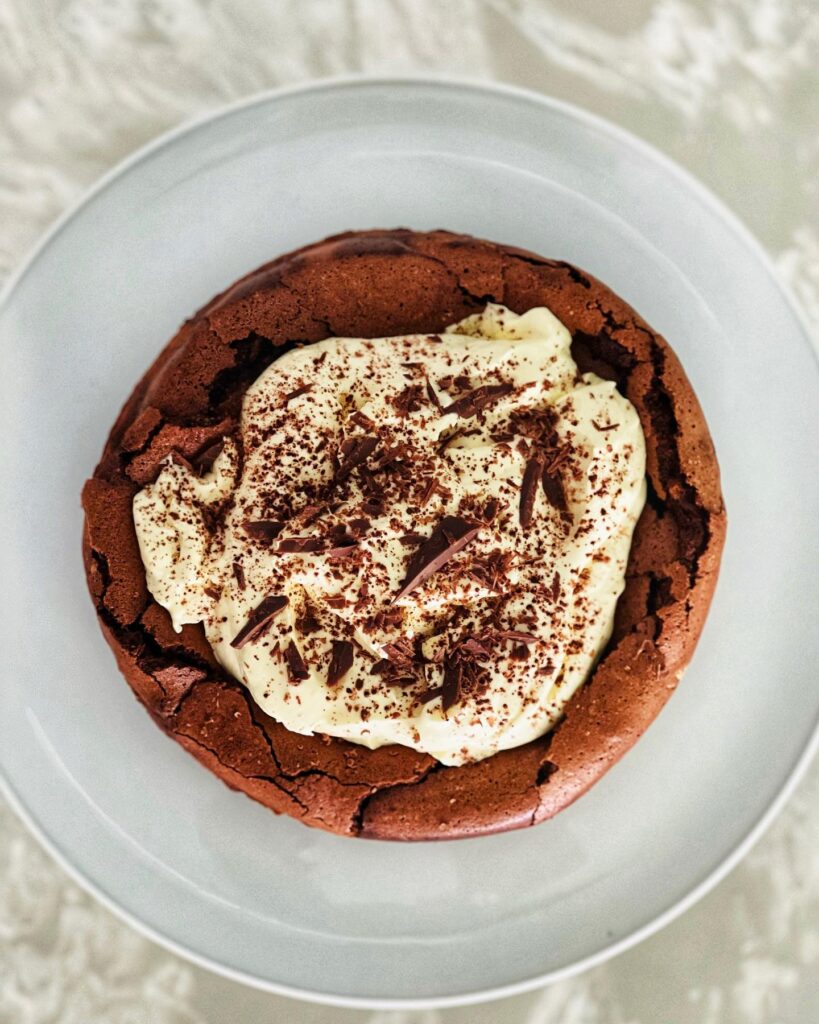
{"type": "Point", "coordinates": [727, 87]}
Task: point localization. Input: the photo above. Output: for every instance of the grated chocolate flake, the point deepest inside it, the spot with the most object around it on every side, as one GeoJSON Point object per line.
{"type": "Point", "coordinates": [411, 539]}
{"type": "Point", "coordinates": [553, 489]}
{"type": "Point", "coordinates": [449, 537]}
{"type": "Point", "coordinates": [355, 452]}
{"type": "Point", "coordinates": [453, 679]}
{"type": "Point", "coordinates": [296, 669]}
{"type": "Point", "coordinates": [477, 399]}
{"type": "Point", "coordinates": [264, 530]}
{"type": "Point", "coordinates": [528, 490]}
{"type": "Point", "coordinates": [362, 421]}
{"type": "Point", "coordinates": [358, 527]}
{"type": "Point", "coordinates": [410, 399]}
{"type": "Point", "coordinates": [392, 458]}
{"type": "Point", "coordinates": [432, 395]}
{"type": "Point", "coordinates": [180, 460]}
{"type": "Point", "coordinates": [492, 570]}
{"type": "Point", "coordinates": [490, 510]}
{"type": "Point", "coordinates": [516, 635]}
{"type": "Point", "coordinates": [430, 489]}
{"type": "Point", "coordinates": [259, 620]}
{"type": "Point", "coordinates": [399, 652]}
{"type": "Point", "coordinates": [308, 623]}
{"type": "Point", "coordinates": [341, 661]}
{"type": "Point", "coordinates": [299, 545]}
{"type": "Point", "coordinates": [288, 398]}
{"type": "Point", "coordinates": [203, 462]}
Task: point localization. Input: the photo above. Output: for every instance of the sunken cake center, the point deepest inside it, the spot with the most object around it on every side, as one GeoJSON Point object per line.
{"type": "Point", "coordinates": [416, 540]}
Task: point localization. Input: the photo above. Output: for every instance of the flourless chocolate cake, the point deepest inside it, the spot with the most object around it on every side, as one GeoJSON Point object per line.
{"type": "Point", "coordinates": [185, 417]}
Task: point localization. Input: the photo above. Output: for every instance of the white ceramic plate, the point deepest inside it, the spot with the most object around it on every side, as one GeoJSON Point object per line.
{"type": "Point", "coordinates": [208, 872]}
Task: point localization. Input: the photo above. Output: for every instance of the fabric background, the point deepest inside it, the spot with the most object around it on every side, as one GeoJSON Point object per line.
{"type": "Point", "coordinates": [727, 87]}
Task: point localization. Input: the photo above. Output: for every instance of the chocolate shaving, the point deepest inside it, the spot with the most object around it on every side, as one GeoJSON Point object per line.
{"type": "Point", "coordinates": [608, 426]}
{"type": "Point", "coordinates": [338, 536]}
{"type": "Point", "coordinates": [553, 488]}
{"type": "Point", "coordinates": [433, 396]}
{"type": "Point", "coordinates": [384, 618]}
{"type": "Point", "coordinates": [399, 652]}
{"type": "Point", "coordinates": [475, 648]}
{"type": "Point", "coordinates": [554, 589]}
{"type": "Point", "coordinates": [372, 506]}
{"type": "Point", "coordinates": [180, 460]}
{"type": "Point", "coordinates": [399, 675]}
{"type": "Point", "coordinates": [453, 680]}
{"type": "Point", "coordinates": [238, 573]}
{"type": "Point", "coordinates": [450, 535]}
{"type": "Point", "coordinates": [392, 457]}
{"type": "Point", "coordinates": [490, 510]}
{"type": "Point", "coordinates": [310, 513]}
{"type": "Point", "coordinates": [288, 398]}
{"type": "Point", "coordinates": [429, 490]}
{"type": "Point", "coordinates": [411, 539]}
{"type": "Point", "coordinates": [425, 696]}
{"type": "Point", "coordinates": [203, 462]}
{"type": "Point", "coordinates": [516, 635]}
{"type": "Point", "coordinates": [259, 620]}
{"type": "Point", "coordinates": [346, 551]}
{"type": "Point", "coordinates": [462, 669]}
{"type": "Point", "coordinates": [266, 530]}
{"type": "Point", "coordinates": [493, 569]}
{"type": "Point", "coordinates": [540, 425]}
{"type": "Point", "coordinates": [528, 490]}
{"type": "Point", "coordinates": [342, 544]}
{"type": "Point", "coordinates": [308, 623]}
{"type": "Point", "coordinates": [355, 451]}
{"type": "Point", "coordinates": [297, 545]}
{"type": "Point", "coordinates": [213, 592]}
{"type": "Point", "coordinates": [296, 669]}
{"type": "Point", "coordinates": [341, 661]}
{"type": "Point", "coordinates": [410, 399]}
{"type": "Point", "coordinates": [369, 483]}
{"type": "Point", "coordinates": [479, 398]}
{"type": "Point", "coordinates": [362, 421]}
{"type": "Point", "coordinates": [558, 458]}
{"type": "Point", "coordinates": [456, 435]}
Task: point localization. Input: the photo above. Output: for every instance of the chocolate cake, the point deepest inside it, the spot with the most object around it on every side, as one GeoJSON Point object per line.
{"type": "Point", "coordinates": [378, 284]}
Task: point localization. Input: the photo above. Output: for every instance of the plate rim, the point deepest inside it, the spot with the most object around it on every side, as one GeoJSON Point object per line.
{"type": "Point", "coordinates": [720, 209]}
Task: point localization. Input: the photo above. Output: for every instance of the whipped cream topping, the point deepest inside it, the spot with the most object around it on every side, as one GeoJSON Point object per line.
{"type": "Point", "coordinates": [416, 540]}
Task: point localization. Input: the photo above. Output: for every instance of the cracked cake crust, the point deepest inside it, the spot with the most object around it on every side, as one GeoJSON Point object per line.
{"type": "Point", "coordinates": [374, 284]}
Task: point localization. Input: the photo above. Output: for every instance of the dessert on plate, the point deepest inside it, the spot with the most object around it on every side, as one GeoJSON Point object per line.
{"type": "Point", "coordinates": [408, 535]}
